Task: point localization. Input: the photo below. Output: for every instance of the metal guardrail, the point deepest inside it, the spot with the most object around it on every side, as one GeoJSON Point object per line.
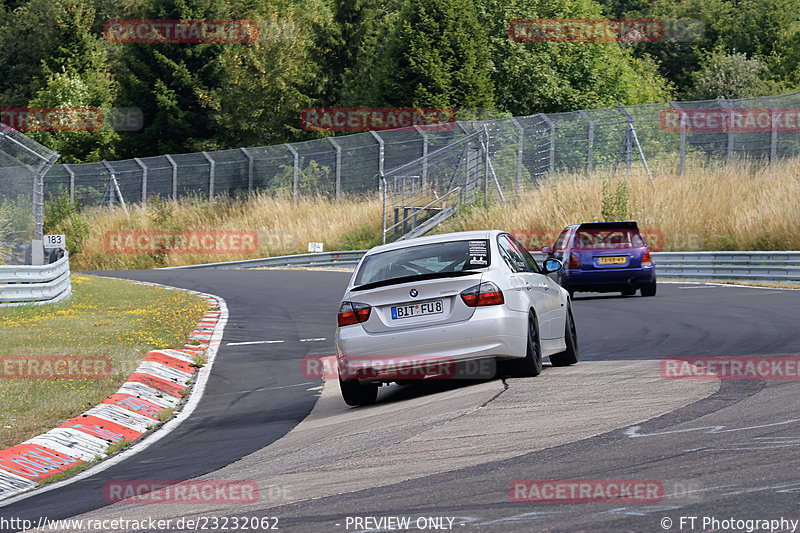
{"type": "Point", "coordinates": [722, 266]}
{"type": "Point", "coordinates": [729, 266]}
{"type": "Point", "coordinates": [20, 285]}
{"type": "Point", "coordinates": [348, 258]}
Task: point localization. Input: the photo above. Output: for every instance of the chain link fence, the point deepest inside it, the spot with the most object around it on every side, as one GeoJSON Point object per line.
{"type": "Point", "coordinates": [23, 164]}
{"type": "Point", "coordinates": [673, 136]}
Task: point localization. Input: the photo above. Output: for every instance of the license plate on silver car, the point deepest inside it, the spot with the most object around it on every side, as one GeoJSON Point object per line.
{"type": "Point", "coordinates": [433, 307]}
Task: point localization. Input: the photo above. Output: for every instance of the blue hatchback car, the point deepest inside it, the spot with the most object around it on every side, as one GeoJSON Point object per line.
{"type": "Point", "coordinates": [604, 257]}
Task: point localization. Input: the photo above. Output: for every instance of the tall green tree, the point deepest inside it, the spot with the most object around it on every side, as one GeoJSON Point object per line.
{"type": "Point", "coordinates": [436, 56]}
{"type": "Point", "coordinates": [764, 30]}
{"type": "Point", "coordinates": [266, 84]}
{"type": "Point", "coordinates": [73, 73]}
{"type": "Point", "coordinates": [533, 77]}
{"type": "Point", "coordinates": [347, 42]}
{"type": "Point", "coordinates": [34, 34]}
{"type": "Point", "coordinates": [730, 76]}
{"type": "Point", "coordinates": [175, 84]}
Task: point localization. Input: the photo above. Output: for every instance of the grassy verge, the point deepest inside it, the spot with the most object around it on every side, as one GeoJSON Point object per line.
{"type": "Point", "coordinates": [104, 318]}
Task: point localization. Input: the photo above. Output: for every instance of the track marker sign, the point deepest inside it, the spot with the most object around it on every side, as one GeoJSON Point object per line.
{"type": "Point", "coordinates": [55, 241]}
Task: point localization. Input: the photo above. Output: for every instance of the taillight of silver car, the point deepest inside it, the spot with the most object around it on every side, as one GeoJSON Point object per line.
{"type": "Point", "coordinates": [353, 313]}
{"type": "Point", "coordinates": [486, 293]}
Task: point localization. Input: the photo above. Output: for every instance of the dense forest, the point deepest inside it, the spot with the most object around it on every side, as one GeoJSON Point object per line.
{"type": "Point", "coordinates": [356, 53]}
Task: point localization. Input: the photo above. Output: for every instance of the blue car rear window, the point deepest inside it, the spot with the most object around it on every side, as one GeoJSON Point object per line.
{"type": "Point", "coordinates": [595, 239]}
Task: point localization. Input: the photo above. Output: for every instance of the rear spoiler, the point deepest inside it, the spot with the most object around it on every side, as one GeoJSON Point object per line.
{"type": "Point", "coordinates": [629, 224]}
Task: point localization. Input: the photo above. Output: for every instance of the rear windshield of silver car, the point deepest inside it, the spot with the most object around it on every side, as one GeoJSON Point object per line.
{"type": "Point", "coordinates": [425, 261]}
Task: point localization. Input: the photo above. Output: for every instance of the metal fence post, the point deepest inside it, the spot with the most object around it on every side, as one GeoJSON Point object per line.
{"type": "Point", "coordinates": [520, 145]}
{"type": "Point", "coordinates": [113, 187]}
{"type": "Point", "coordinates": [338, 167]}
{"type": "Point", "coordinates": [211, 167]}
{"type": "Point", "coordinates": [424, 157]}
{"type": "Point", "coordinates": [381, 153]}
{"type": "Point", "coordinates": [485, 166]}
{"type": "Point", "coordinates": [71, 184]}
{"type": "Point", "coordinates": [590, 150]}
{"type": "Point", "coordinates": [683, 135]}
{"type": "Point", "coordinates": [773, 140]}
{"type": "Point", "coordinates": [144, 180]}
{"type": "Point", "coordinates": [726, 105]}
{"type": "Point", "coordinates": [38, 204]}
{"type": "Point", "coordinates": [174, 177]}
{"type": "Point", "coordinates": [250, 168]}
{"type": "Point", "coordinates": [296, 174]}
{"type": "Point", "coordinates": [552, 143]}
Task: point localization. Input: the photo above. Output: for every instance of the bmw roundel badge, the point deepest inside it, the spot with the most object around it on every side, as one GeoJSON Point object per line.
{"type": "Point", "coordinates": [413, 293]}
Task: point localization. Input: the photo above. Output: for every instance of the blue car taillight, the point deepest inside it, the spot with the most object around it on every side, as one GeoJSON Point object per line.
{"type": "Point", "coordinates": [574, 262]}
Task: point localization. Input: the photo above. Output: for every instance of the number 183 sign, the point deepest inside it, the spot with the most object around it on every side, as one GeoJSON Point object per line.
{"type": "Point", "coordinates": [55, 241]}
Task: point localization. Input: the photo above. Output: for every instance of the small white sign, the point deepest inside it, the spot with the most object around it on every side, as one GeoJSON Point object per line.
{"type": "Point", "coordinates": [55, 241]}
{"type": "Point", "coordinates": [314, 247]}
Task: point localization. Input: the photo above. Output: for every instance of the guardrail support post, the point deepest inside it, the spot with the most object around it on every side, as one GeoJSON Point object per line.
{"type": "Point", "coordinates": [338, 167]}
{"type": "Point", "coordinates": [211, 168]}
{"type": "Point", "coordinates": [174, 177]}
{"type": "Point", "coordinates": [144, 180]}
{"type": "Point", "coordinates": [250, 168]}
{"type": "Point", "coordinates": [296, 174]}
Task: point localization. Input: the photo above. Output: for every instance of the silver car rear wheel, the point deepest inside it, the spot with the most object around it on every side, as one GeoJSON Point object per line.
{"type": "Point", "coordinates": [355, 393]}
{"type": "Point", "coordinates": [531, 366]}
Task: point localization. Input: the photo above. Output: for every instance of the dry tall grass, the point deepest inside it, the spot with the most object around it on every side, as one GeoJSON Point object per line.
{"type": "Point", "coordinates": [281, 227]}
{"type": "Point", "coordinates": [745, 206]}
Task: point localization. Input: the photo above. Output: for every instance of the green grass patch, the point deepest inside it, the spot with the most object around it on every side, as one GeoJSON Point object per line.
{"type": "Point", "coordinates": [361, 238]}
{"type": "Point", "coordinates": [68, 472]}
{"type": "Point", "coordinates": [114, 448]}
{"type": "Point", "coordinates": [104, 318]}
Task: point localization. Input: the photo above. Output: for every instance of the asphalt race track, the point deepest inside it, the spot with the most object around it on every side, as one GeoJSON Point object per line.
{"type": "Point", "coordinates": [449, 452]}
